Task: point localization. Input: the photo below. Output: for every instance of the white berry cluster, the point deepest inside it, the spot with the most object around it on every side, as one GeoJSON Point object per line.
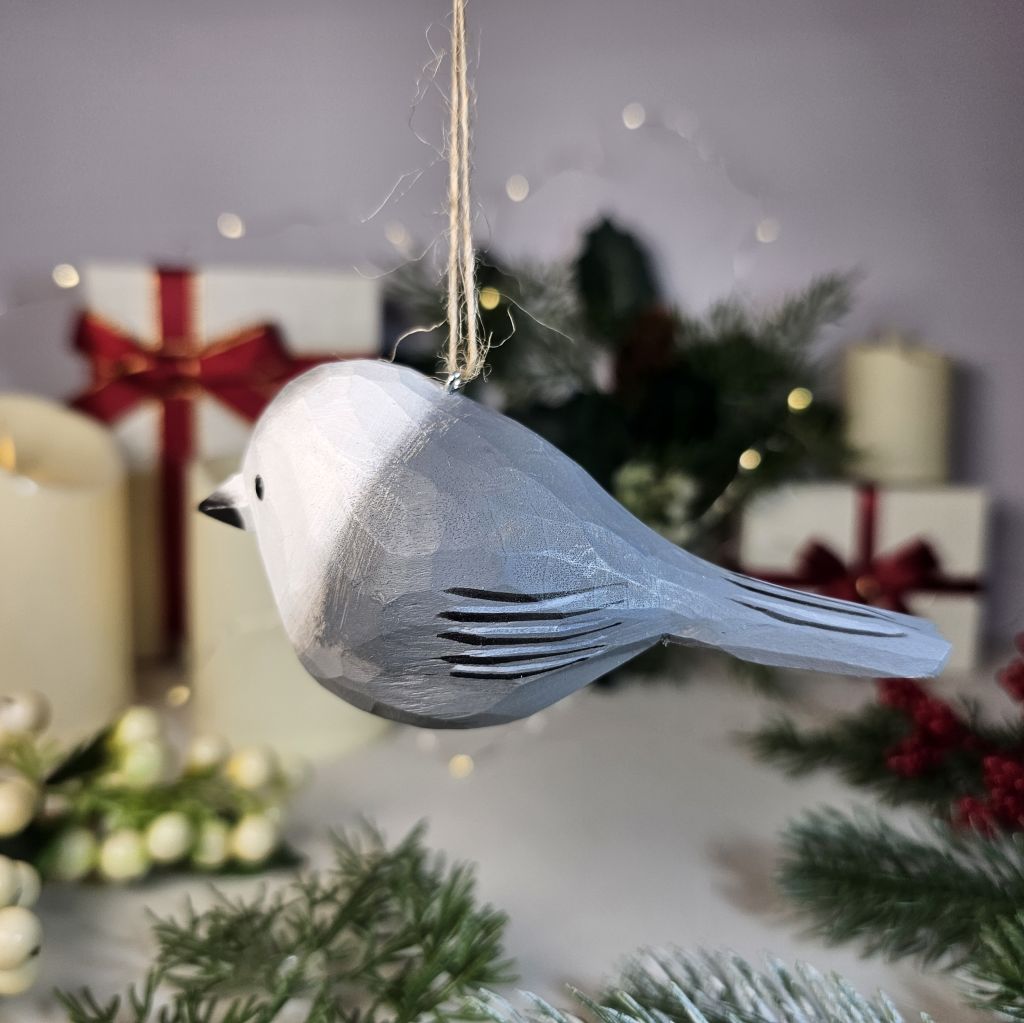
{"type": "Point", "coordinates": [146, 811]}
{"type": "Point", "coordinates": [21, 934]}
{"type": "Point", "coordinates": [22, 716]}
{"type": "Point", "coordinates": [117, 809]}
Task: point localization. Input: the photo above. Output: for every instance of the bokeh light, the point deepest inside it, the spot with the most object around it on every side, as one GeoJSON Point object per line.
{"type": "Point", "coordinates": [634, 115]}
{"type": "Point", "coordinates": [799, 399]}
{"type": "Point", "coordinates": [231, 225]}
{"type": "Point", "coordinates": [750, 459]}
{"type": "Point", "coordinates": [517, 188]}
{"type": "Point", "coordinates": [65, 276]}
{"type": "Point", "coordinates": [461, 766]}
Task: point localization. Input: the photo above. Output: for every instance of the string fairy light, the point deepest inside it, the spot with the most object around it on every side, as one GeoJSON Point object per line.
{"type": "Point", "coordinates": [750, 459]}
{"type": "Point", "coordinates": [634, 115]}
{"type": "Point", "coordinates": [461, 766]}
{"type": "Point", "coordinates": [231, 225]}
{"type": "Point", "coordinates": [799, 399]}
{"type": "Point", "coordinates": [65, 276]}
{"type": "Point", "coordinates": [517, 188]}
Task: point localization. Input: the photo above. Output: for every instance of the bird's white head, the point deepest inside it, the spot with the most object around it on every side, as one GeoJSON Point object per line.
{"type": "Point", "coordinates": [313, 461]}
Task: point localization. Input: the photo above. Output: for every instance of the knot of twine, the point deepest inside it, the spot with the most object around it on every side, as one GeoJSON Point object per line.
{"type": "Point", "coordinates": [466, 350]}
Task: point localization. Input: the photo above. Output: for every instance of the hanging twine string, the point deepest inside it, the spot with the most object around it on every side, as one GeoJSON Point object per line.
{"type": "Point", "coordinates": [467, 350]}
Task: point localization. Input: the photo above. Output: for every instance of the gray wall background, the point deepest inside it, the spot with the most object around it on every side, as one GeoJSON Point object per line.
{"type": "Point", "coordinates": [881, 134]}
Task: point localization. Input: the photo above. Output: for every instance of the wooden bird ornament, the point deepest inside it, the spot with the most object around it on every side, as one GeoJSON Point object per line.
{"type": "Point", "coordinates": [437, 563]}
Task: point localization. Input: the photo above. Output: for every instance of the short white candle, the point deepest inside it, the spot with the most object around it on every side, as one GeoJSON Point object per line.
{"type": "Point", "coordinates": [897, 398]}
{"type": "Point", "coordinates": [64, 607]}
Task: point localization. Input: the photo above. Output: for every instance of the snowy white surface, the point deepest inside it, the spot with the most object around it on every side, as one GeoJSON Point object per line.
{"type": "Point", "coordinates": [618, 820]}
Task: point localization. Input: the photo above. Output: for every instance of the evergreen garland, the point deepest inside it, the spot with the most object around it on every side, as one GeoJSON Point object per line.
{"type": "Point", "coordinates": [388, 934]}
{"type": "Point", "coordinates": [859, 878]}
{"type": "Point", "coordinates": [597, 362]}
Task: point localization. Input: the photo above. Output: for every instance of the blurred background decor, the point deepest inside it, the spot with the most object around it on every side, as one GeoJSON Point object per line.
{"type": "Point", "coordinates": [129, 801]}
{"type": "Point", "coordinates": [684, 418]}
{"type": "Point", "coordinates": [652, 181]}
{"type": "Point", "coordinates": [898, 397]}
{"type": "Point", "coordinates": [64, 562]}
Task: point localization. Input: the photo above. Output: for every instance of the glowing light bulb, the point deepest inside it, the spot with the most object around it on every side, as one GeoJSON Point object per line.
{"type": "Point", "coordinates": [799, 399]}
{"type": "Point", "coordinates": [750, 459]}
{"type": "Point", "coordinates": [397, 235]}
{"type": "Point", "coordinates": [231, 225]}
{"type": "Point", "coordinates": [490, 298]}
{"type": "Point", "coordinates": [65, 275]}
{"type": "Point", "coordinates": [177, 696]}
{"type": "Point", "coordinates": [517, 188]}
{"type": "Point", "coordinates": [461, 766]}
{"type": "Point", "coordinates": [634, 115]}
{"type": "Point", "coordinates": [768, 231]}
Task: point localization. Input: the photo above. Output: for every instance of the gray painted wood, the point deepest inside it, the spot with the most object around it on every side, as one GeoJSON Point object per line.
{"type": "Point", "coordinates": [437, 563]}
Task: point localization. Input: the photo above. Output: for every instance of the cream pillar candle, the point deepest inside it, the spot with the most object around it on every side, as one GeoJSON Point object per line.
{"type": "Point", "coordinates": [897, 398]}
{"type": "Point", "coordinates": [247, 683]}
{"type": "Point", "coordinates": [64, 606]}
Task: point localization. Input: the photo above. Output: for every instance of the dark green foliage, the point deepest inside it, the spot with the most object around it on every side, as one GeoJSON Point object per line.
{"type": "Point", "coordinates": [85, 759]}
{"type": "Point", "coordinates": [688, 394]}
{"type": "Point", "coordinates": [615, 279]}
{"type": "Point", "coordinates": [858, 878]}
{"type": "Point", "coordinates": [997, 972]}
{"type": "Point", "coordinates": [855, 748]}
{"type": "Point", "coordinates": [390, 935]}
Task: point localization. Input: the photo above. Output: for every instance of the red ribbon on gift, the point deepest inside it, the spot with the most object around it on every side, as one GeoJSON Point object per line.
{"type": "Point", "coordinates": [242, 371]}
{"type": "Point", "coordinates": [884, 580]}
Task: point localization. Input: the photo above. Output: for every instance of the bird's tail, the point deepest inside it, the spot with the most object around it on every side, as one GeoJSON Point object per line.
{"type": "Point", "coordinates": [771, 624]}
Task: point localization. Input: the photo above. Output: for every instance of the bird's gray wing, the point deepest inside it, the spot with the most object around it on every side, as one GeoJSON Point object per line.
{"type": "Point", "coordinates": [484, 576]}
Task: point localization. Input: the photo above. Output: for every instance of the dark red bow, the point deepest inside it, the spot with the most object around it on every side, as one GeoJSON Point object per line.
{"type": "Point", "coordinates": [885, 580]}
{"type": "Point", "coordinates": [242, 371]}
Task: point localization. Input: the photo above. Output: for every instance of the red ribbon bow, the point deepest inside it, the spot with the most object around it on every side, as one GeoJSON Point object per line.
{"type": "Point", "coordinates": [884, 580]}
{"type": "Point", "coordinates": [242, 371]}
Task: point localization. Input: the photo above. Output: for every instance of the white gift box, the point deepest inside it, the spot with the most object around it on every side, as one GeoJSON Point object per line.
{"type": "Point", "coordinates": [951, 520]}
{"type": "Point", "coordinates": [317, 313]}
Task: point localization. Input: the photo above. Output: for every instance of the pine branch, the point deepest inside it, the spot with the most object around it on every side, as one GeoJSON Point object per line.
{"type": "Point", "coordinates": [798, 321]}
{"type": "Point", "coordinates": [859, 879]}
{"type": "Point", "coordinates": [714, 988]}
{"type": "Point", "coordinates": [856, 748]}
{"type": "Point", "coordinates": [996, 974]}
{"type": "Point", "coordinates": [387, 934]}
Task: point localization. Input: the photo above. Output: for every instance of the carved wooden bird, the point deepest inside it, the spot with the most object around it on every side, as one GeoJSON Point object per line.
{"type": "Point", "coordinates": [439, 564]}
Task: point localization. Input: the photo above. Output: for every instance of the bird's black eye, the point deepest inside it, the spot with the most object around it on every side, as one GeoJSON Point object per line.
{"type": "Point", "coordinates": [259, 487]}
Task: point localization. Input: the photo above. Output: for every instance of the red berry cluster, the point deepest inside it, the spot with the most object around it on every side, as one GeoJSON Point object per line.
{"type": "Point", "coordinates": [1002, 806]}
{"type": "Point", "coordinates": [936, 733]}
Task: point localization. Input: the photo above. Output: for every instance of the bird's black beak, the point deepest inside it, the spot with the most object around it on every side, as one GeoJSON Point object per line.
{"type": "Point", "coordinates": [227, 503]}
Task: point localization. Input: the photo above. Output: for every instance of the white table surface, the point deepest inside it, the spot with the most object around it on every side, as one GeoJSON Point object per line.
{"type": "Point", "coordinates": [628, 819]}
